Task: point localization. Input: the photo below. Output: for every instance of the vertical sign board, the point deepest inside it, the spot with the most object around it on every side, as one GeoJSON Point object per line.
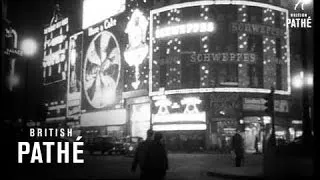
{"type": "Point", "coordinates": [55, 66]}
{"type": "Point", "coordinates": [136, 53]}
{"type": "Point", "coordinates": [102, 64]}
{"type": "Point", "coordinates": [115, 59]}
{"type": "Point", "coordinates": [74, 75]}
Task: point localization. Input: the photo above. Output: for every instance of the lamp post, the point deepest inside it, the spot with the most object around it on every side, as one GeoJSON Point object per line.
{"type": "Point", "coordinates": [304, 82]}
{"type": "Point", "coordinates": [305, 90]}
{"type": "Point", "coordinates": [29, 48]}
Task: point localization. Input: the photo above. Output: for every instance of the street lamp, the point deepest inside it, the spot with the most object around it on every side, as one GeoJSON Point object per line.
{"type": "Point", "coordinates": [302, 80]}
{"type": "Point", "coordinates": [29, 47]}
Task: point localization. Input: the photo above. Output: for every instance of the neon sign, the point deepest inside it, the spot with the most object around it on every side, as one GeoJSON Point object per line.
{"type": "Point", "coordinates": [257, 29]}
{"type": "Point", "coordinates": [158, 30]}
{"type": "Point", "coordinates": [223, 57]}
{"type": "Point", "coordinates": [55, 52]}
{"type": "Point", "coordinates": [189, 114]}
{"type": "Point", "coordinates": [198, 27]}
{"type": "Point", "coordinates": [108, 23]}
{"type": "Point", "coordinates": [137, 49]}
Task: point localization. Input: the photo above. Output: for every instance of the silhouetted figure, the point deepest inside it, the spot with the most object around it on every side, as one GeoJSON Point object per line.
{"type": "Point", "coordinates": [140, 156]}
{"type": "Point", "coordinates": [256, 142]}
{"type": "Point", "coordinates": [157, 159]}
{"type": "Point", "coordinates": [238, 148]}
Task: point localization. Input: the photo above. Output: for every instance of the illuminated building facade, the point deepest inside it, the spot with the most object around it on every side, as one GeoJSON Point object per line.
{"type": "Point", "coordinates": [96, 79]}
{"type": "Point", "coordinates": [212, 62]}
{"type": "Point", "coordinates": [194, 70]}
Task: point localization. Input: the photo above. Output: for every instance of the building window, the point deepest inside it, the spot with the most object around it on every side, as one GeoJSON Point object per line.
{"type": "Point", "coordinates": [278, 77]}
{"type": "Point", "coordinates": [223, 39]}
{"type": "Point", "coordinates": [255, 44]}
{"type": "Point", "coordinates": [255, 76]}
{"type": "Point", "coordinates": [277, 19]}
{"type": "Point", "coordinates": [191, 13]}
{"type": "Point", "coordinates": [255, 71]}
{"type": "Point", "coordinates": [224, 75]}
{"type": "Point", "coordinates": [255, 14]}
{"type": "Point", "coordinates": [278, 48]}
{"type": "Point", "coordinates": [190, 43]}
{"type": "Point", "coordinates": [190, 76]}
{"type": "Point", "coordinates": [163, 75]}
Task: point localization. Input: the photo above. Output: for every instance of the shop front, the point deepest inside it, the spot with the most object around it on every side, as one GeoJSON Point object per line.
{"type": "Point", "coordinates": [257, 124]}
{"type": "Point", "coordinates": [220, 134]}
{"type": "Point", "coordinates": [245, 112]}
{"type": "Point", "coordinates": [254, 131]}
{"type": "Point", "coordinates": [138, 122]}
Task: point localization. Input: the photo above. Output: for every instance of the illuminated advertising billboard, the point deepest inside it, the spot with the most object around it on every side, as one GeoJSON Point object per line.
{"type": "Point", "coordinates": [55, 52]}
{"type": "Point", "coordinates": [115, 60]}
{"type": "Point", "coordinates": [102, 60]}
{"type": "Point", "coordinates": [136, 53]}
{"type": "Point", "coordinates": [219, 46]}
{"type": "Point", "coordinates": [55, 68]}
{"type": "Point", "coordinates": [74, 75]}
{"type": "Point", "coordinates": [178, 112]}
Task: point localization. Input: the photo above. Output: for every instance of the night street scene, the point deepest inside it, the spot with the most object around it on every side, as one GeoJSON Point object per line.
{"type": "Point", "coordinates": [157, 89]}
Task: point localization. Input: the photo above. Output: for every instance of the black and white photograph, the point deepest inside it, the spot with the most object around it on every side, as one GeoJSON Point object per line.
{"type": "Point", "coordinates": [158, 89]}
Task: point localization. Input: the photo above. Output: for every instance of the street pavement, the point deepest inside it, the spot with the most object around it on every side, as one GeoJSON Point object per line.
{"type": "Point", "coordinates": [182, 166]}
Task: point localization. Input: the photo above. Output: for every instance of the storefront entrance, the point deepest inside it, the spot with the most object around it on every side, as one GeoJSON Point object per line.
{"type": "Point", "coordinates": [253, 134]}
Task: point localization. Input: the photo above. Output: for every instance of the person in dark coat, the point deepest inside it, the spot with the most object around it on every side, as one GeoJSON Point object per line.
{"type": "Point", "coordinates": [256, 143]}
{"type": "Point", "coordinates": [140, 156]}
{"type": "Point", "coordinates": [156, 161]}
{"type": "Point", "coordinates": [238, 148]}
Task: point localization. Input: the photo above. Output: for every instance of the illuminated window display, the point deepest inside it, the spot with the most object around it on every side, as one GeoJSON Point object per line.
{"type": "Point", "coordinates": [221, 45]}
{"type": "Point", "coordinates": [140, 119]}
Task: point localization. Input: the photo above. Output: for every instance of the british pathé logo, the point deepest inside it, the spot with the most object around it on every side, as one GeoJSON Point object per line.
{"type": "Point", "coordinates": [301, 3]}
{"type": "Point", "coordinates": [299, 18]}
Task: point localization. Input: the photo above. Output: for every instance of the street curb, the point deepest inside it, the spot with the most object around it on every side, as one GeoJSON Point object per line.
{"type": "Point", "coordinates": [233, 176]}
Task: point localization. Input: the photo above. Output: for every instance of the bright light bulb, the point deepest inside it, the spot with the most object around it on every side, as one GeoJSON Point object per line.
{"type": "Point", "coordinates": [297, 82]}
{"type": "Point", "coordinates": [29, 47]}
{"type": "Point", "coordinates": [310, 80]}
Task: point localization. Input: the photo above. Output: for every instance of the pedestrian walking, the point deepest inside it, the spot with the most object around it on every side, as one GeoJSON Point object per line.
{"type": "Point", "coordinates": [256, 143]}
{"type": "Point", "coordinates": [156, 161]}
{"type": "Point", "coordinates": [238, 148]}
{"type": "Point", "coordinates": [140, 156]}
